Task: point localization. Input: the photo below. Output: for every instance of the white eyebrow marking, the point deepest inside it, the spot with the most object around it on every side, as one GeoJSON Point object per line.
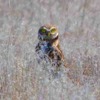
{"type": "Point", "coordinates": [46, 28]}
{"type": "Point", "coordinates": [52, 28]}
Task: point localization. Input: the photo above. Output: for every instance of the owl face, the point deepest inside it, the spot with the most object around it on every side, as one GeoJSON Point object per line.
{"type": "Point", "coordinates": [47, 32]}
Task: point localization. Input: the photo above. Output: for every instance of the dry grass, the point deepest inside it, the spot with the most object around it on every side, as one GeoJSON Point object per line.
{"type": "Point", "coordinates": [22, 78]}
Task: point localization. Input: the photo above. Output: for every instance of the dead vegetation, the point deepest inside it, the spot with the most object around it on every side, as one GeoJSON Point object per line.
{"type": "Point", "coordinates": [22, 78]}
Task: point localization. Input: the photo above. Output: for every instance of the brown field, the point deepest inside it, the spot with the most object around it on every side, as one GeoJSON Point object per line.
{"type": "Point", "coordinates": [22, 78]}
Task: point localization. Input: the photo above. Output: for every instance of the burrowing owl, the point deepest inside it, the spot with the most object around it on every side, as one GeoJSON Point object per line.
{"type": "Point", "coordinates": [49, 45]}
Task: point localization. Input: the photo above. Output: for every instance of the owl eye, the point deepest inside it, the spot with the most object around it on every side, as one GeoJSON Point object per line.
{"type": "Point", "coordinates": [42, 31]}
{"type": "Point", "coordinates": [53, 31]}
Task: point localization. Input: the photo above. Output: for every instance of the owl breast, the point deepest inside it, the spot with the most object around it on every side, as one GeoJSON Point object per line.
{"type": "Point", "coordinates": [46, 47]}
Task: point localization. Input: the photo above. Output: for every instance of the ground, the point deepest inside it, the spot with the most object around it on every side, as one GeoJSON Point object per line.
{"type": "Point", "coordinates": [22, 78]}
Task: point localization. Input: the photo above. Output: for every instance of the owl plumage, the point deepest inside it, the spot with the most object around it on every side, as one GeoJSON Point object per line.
{"type": "Point", "coordinates": [49, 45]}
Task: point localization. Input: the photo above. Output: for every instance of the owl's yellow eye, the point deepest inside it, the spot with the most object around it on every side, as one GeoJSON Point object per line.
{"type": "Point", "coordinates": [42, 31]}
{"type": "Point", "coordinates": [53, 31]}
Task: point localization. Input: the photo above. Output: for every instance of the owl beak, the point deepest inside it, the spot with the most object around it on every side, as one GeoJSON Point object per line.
{"type": "Point", "coordinates": [49, 33]}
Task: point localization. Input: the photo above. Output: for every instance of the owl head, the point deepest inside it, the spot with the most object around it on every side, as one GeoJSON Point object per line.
{"type": "Point", "coordinates": [47, 32]}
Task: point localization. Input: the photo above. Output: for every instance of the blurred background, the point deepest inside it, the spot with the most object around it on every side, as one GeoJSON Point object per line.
{"type": "Point", "coordinates": [21, 77]}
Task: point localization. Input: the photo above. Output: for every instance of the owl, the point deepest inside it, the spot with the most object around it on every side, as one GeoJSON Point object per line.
{"type": "Point", "coordinates": [48, 46]}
